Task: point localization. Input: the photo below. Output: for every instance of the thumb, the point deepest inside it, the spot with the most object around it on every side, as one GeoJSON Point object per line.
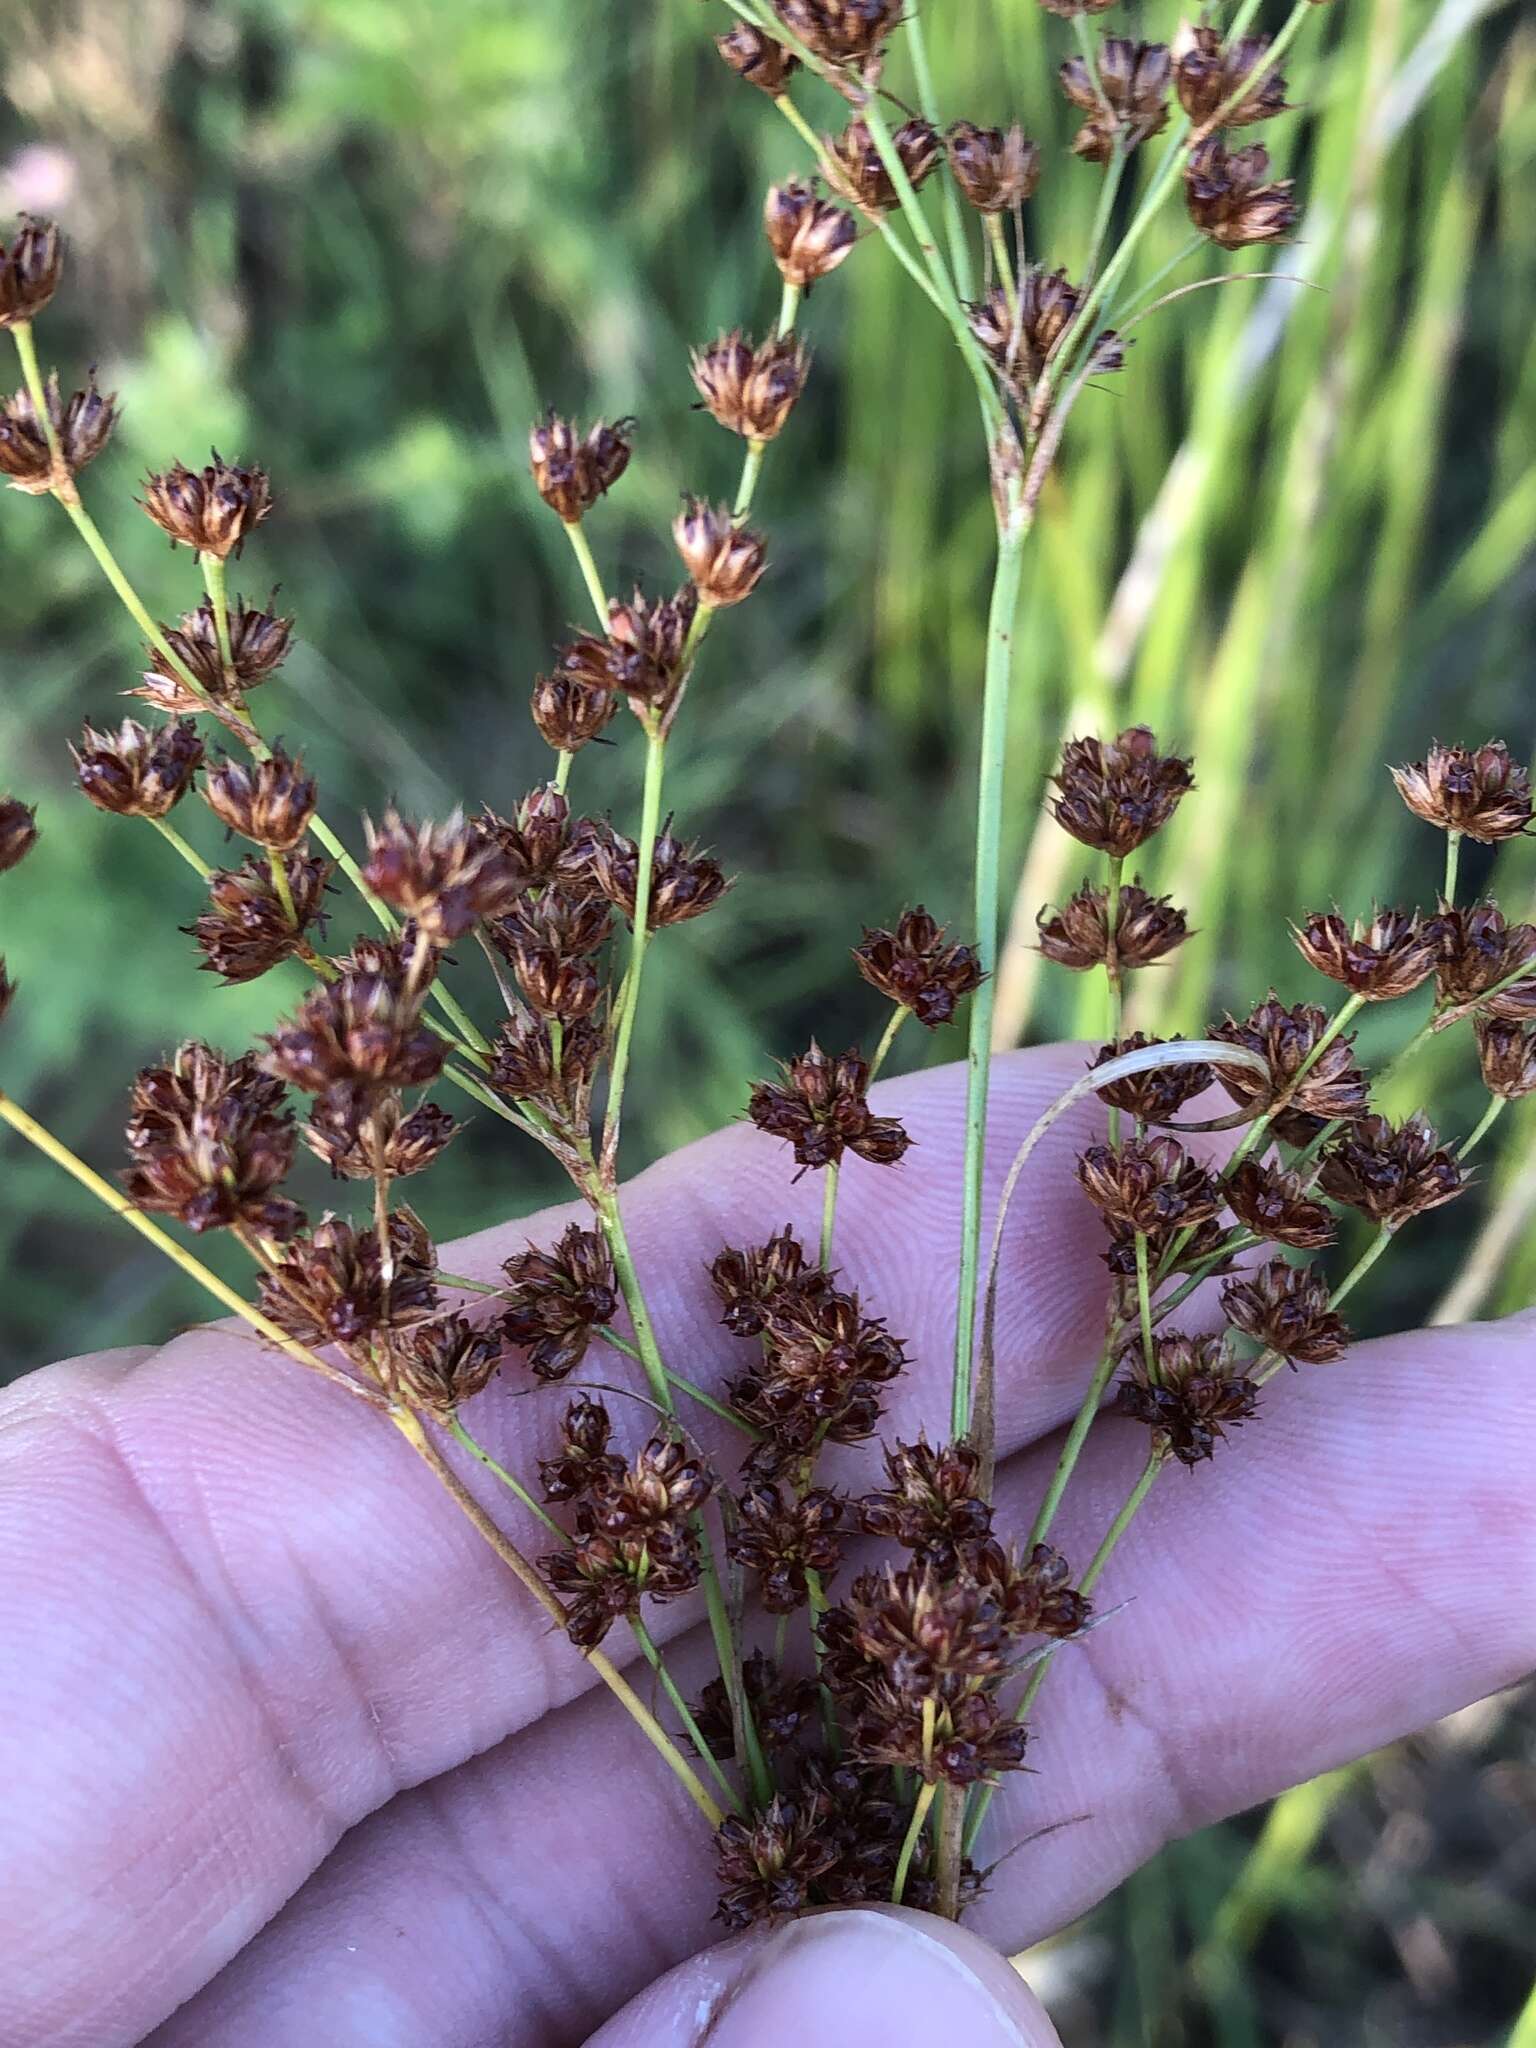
{"type": "Point", "coordinates": [874, 1977]}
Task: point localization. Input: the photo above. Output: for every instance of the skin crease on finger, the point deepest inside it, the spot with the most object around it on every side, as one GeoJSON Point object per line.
{"type": "Point", "coordinates": [239, 1618]}
{"type": "Point", "coordinates": [1352, 1565]}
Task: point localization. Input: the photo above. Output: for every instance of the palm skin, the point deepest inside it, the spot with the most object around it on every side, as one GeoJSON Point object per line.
{"type": "Point", "coordinates": [290, 1759]}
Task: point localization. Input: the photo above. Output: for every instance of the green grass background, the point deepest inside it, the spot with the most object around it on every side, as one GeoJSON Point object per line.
{"type": "Point", "coordinates": [364, 241]}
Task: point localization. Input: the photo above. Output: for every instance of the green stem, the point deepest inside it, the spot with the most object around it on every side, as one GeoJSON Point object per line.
{"type": "Point", "coordinates": [280, 888]}
{"type": "Point", "coordinates": [909, 1845]}
{"type": "Point", "coordinates": [684, 1713]}
{"type": "Point", "coordinates": [1361, 1267]}
{"type": "Point", "coordinates": [173, 838]}
{"type": "Point", "coordinates": [37, 391]}
{"type": "Point", "coordinates": [1071, 1450]}
{"type": "Point", "coordinates": [650, 825]}
{"type": "Point", "coordinates": [928, 106]}
{"type": "Point", "coordinates": [581, 548]}
{"type": "Point", "coordinates": [461, 1435]}
{"type": "Point", "coordinates": [751, 470]}
{"type": "Point", "coordinates": [1481, 1128]}
{"type": "Point", "coordinates": [1114, 171]}
{"type": "Point", "coordinates": [828, 1213]}
{"type": "Point", "coordinates": [1452, 861]}
{"type": "Point", "coordinates": [989, 811]}
{"type": "Point", "coordinates": [1003, 262]}
{"type": "Point", "coordinates": [466, 1285]}
{"type": "Point", "coordinates": [563, 770]}
{"type": "Point", "coordinates": [898, 1017]}
{"type": "Point", "coordinates": [218, 596]}
{"type": "Point", "coordinates": [1144, 1306]}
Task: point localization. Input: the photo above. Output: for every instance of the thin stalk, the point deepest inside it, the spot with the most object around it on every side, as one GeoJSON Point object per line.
{"type": "Point", "coordinates": [751, 470]}
{"type": "Point", "coordinates": [410, 1428]}
{"type": "Point", "coordinates": [1072, 1449]}
{"type": "Point", "coordinates": [1144, 1307]}
{"type": "Point", "coordinates": [928, 106]}
{"type": "Point", "coordinates": [919, 1808]}
{"type": "Point", "coordinates": [42, 1138]}
{"type": "Point", "coordinates": [652, 1655]}
{"type": "Point", "coordinates": [828, 1214]}
{"type": "Point", "coordinates": [650, 825]}
{"type": "Point", "coordinates": [1114, 171]}
{"type": "Point", "coordinates": [1114, 979]}
{"type": "Point", "coordinates": [280, 888]}
{"type": "Point", "coordinates": [816, 1607]}
{"type": "Point", "coordinates": [37, 391]}
{"type": "Point", "coordinates": [218, 596]}
{"type": "Point", "coordinates": [1483, 1126]}
{"type": "Point", "coordinates": [899, 1015]}
{"type": "Point", "coordinates": [174, 839]}
{"type": "Point", "coordinates": [1452, 861]}
{"type": "Point", "coordinates": [563, 762]}
{"type": "Point", "coordinates": [581, 548]}
{"type": "Point", "coordinates": [989, 813]}
{"type": "Point", "coordinates": [1361, 1267]}
{"type": "Point", "coordinates": [466, 1285]}
{"type": "Point", "coordinates": [1003, 262]}
{"type": "Point", "coordinates": [514, 1486]}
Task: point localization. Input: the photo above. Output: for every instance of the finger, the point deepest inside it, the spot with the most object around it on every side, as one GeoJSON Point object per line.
{"type": "Point", "coordinates": [238, 1617]}
{"type": "Point", "coordinates": [861, 1979]}
{"type": "Point", "coordinates": [1351, 1566]}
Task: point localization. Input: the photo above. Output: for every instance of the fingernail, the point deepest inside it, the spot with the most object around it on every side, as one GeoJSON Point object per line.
{"type": "Point", "coordinates": [869, 1977]}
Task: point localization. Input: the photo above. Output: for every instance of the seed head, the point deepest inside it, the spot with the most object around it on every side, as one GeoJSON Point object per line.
{"type": "Point", "coordinates": [1199, 1393]}
{"type": "Point", "coordinates": [657, 629]}
{"type": "Point", "coordinates": [841, 32]}
{"type": "Point", "coordinates": [809, 237]}
{"type": "Point", "coordinates": [1380, 960]}
{"type": "Point", "coordinates": [30, 270]}
{"type": "Point", "coordinates": [1077, 935]}
{"type": "Point", "coordinates": [856, 170]}
{"type": "Point", "coordinates": [139, 771]}
{"type": "Point", "coordinates": [18, 832]}
{"type": "Point", "coordinates": [362, 1031]}
{"type": "Point", "coordinates": [724, 561]}
{"type": "Point", "coordinates": [758, 58]}
{"type": "Point", "coordinates": [569, 710]}
{"type": "Point", "coordinates": [824, 1362]}
{"type": "Point", "coordinates": [583, 1460]}
{"type": "Point", "coordinates": [1476, 790]}
{"type": "Point", "coordinates": [246, 928]}
{"type": "Point", "coordinates": [542, 840]}
{"type": "Point", "coordinates": [446, 877]}
{"type": "Point", "coordinates": [782, 1537]}
{"type": "Point", "coordinates": [403, 1144]}
{"type": "Point", "coordinates": [556, 1299]}
{"type": "Point", "coordinates": [258, 643]}
{"type": "Point", "coordinates": [1479, 950]}
{"type": "Point", "coordinates": [1113, 796]}
{"type": "Point", "coordinates": [1332, 1087]}
{"type": "Point", "coordinates": [1150, 1185]}
{"type": "Point", "coordinates": [1021, 342]}
{"type": "Point", "coordinates": [996, 170]}
{"type": "Point", "coordinates": [1156, 1095]}
{"type": "Point", "coordinates": [211, 1143]}
{"type": "Point", "coordinates": [781, 1707]}
{"type": "Point", "coordinates": [684, 882]}
{"type": "Point", "coordinates": [750, 387]}
{"type": "Point", "coordinates": [914, 966]}
{"type": "Point", "coordinates": [269, 801]}
{"type": "Point", "coordinates": [1286, 1308]}
{"type": "Point", "coordinates": [211, 510]}
{"type": "Point", "coordinates": [821, 1107]}
{"type": "Point", "coordinates": [1391, 1174]}
{"type": "Point", "coordinates": [524, 1065]}
{"type": "Point", "coordinates": [548, 942]}
{"type": "Point", "coordinates": [436, 1367]}
{"type": "Point", "coordinates": [82, 424]}
{"type": "Point", "coordinates": [931, 1505]}
{"type": "Point", "coordinates": [1127, 102]}
{"type": "Point", "coordinates": [768, 1864]}
{"type": "Point", "coordinates": [1228, 198]}
{"type": "Point", "coordinates": [748, 1283]}
{"type": "Point", "coordinates": [328, 1287]}
{"type": "Point", "coordinates": [1275, 1205]}
{"type": "Point", "coordinates": [1207, 72]}
{"type": "Point", "coordinates": [571, 470]}
{"type": "Point", "coordinates": [1507, 1055]}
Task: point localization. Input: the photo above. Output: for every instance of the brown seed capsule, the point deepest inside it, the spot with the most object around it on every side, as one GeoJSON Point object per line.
{"type": "Point", "coordinates": [1146, 927]}
{"type": "Point", "coordinates": [270, 802]}
{"type": "Point", "coordinates": [1157, 1095]}
{"type": "Point", "coordinates": [750, 387]}
{"type": "Point", "coordinates": [748, 1283]}
{"type": "Point", "coordinates": [781, 1707]}
{"type": "Point", "coordinates": [1228, 198]}
{"type": "Point", "coordinates": [841, 31]}
{"type": "Point", "coordinates": [328, 1287]}
{"type": "Point", "coordinates": [583, 1460]}
{"type": "Point", "coordinates": [258, 643]}
{"type": "Point", "coordinates": [436, 1367]}
{"type": "Point", "coordinates": [557, 1299]}
{"type": "Point", "coordinates": [767, 1864]}
{"type": "Point", "coordinates": [571, 470]}
{"type": "Point", "coordinates": [1148, 1185]}
{"type": "Point", "coordinates": [914, 966]}
{"type": "Point", "coordinates": [1275, 1205]}
{"type": "Point", "coordinates": [1286, 1309]}
{"type": "Point", "coordinates": [524, 1065]}
{"type": "Point", "coordinates": [809, 237]}
{"type": "Point", "coordinates": [403, 1144]}
{"type": "Point", "coordinates": [932, 1504]}
{"type": "Point", "coordinates": [1332, 1087]}
{"type": "Point", "coordinates": [1199, 1393]}
{"type": "Point", "coordinates": [658, 629]}
{"type": "Point", "coordinates": [1476, 790]}
{"type": "Point", "coordinates": [246, 929]}
{"type": "Point", "coordinates": [548, 942]}
{"type": "Point", "coordinates": [1020, 342]}
{"type": "Point", "coordinates": [18, 832]}
{"type": "Point", "coordinates": [1480, 951]}
{"type": "Point", "coordinates": [724, 561]}
{"type": "Point", "coordinates": [824, 1362]}
{"type": "Point", "coordinates": [1207, 73]}
{"type": "Point", "coordinates": [1391, 1174]}
{"type": "Point", "coordinates": [1507, 1055]}
{"type": "Point", "coordinates": [569, 710]}
{"type": "Point", "coordinates": [361, 1031]}
{"type": "Point", "coordinates": [1113, 796]}
{"type": "Point", "coordinates": [758, 58]}
{"type": "Point", "coordinates": [139, 771]}
{"type": "Point", "coordinates": [856, 170]}
{"type": "Point", "coordinates": [822, 1109]}
{"type": "Point", "coordinates": [1381, 960]}
{"type": "Point", "coordinates": [684, 882]}
{"type": "Point", "coordinates": [82, 425]}
{"type": "Point", "coordinates": [446, 877]}
{"type": "Point", "coordinates": [211, 1143]}
{"type": "Point", "coordinates": [30, 270]}
{"type": "Point", "coordinates": [996, 171]}
{"type": "Point", "coordinates": [1126, 103]}
{"type": "Point", "coordinates": [783, 1537]}
{"type": "Point", "coordinates": [211, 510]}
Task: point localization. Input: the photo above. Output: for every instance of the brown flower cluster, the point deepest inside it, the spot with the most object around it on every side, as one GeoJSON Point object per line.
{"type": "Point", "coordinates": [446, 878]}
{"type": "Point", "coordinates": [758, 58]}
{"type": "Point", "coordinates": [1113, 795]}
{"type": "Point", "coordinates": [1479, 791]}
{"type": "Point", "coordinates": [1193, 1395]}
{"type": "Point", "coordinates": [212, 510]}
{"type": "Point", "coordinates": [1124, 95]}
{"type": "Point", "coordinates": [1021, 340]}
{"type": "Point", "coordinates": [1380, 959]}
{"type": "Point", "coordinates": [557, 1300]}
{"type": "Point", "coordinates": [916, 966]}
{"type": "Point", "coordinates": [750, 387]}
{"type": "Point", "coordinates": [82, 425]}
{"type": "Point", "coordinates": [1487, 964]}
{"type": "Point", "coordinates": [1150, 1187]}
{"type": "Point", "coordinates": [259, 641]}
{"type": "Point", "coordinates": [139, 771]}
{"type": "Point", "coordinates": [1231, 198]}
{"type": "Point", "coordinates": [809, 236]}
{"type": "Point", "coordinates": [1157, 1095]}
{"type": "Point", "coordinates": [821, 1107]}
{"type": "Point", "coordinates": [1225, 84]}
{"type": "Point", "coordinates": [1391, 1173]}
{"type": "Point", "coordinates": [572, 470]}
{"type": "Point", "coordinates": [1147, 928]}
{"type": "Point", "coordinates": [996, 169]}
{"type": "Point", "coordinates": [634, 1536]}
{"type": "Point", "coordinates": [18, 832]}
{"type": "Point", "coordinates": [857, 172]}
{"type": "Point", "coordinates": [212, 1142]}
{"type": "Point", "coordinates": [1305, 1087]}
{"type": "Point", "coordinates": [331, 1287]}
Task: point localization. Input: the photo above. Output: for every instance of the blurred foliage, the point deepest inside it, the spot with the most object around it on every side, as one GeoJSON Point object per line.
{"type": "Point", "coordinates": [365, 241]}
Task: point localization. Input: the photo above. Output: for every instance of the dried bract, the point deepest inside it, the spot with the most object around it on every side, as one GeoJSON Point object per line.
{"type": "Point", "coordinates": [571, 470]}
{"type": "Point", "coordinates": [1230, 199]}
{"type": "Point", "coordinates": [808, 236]}
{"type": "Point", "coordinates": [1391, 1174]}
{"type": "Point", "coordinates": [139, 771]}
{"type": "Point", "coordinates": [914, 965]}
{"type": "Point", "coordinates": [1479, 791]}
{"type": "Point", "coordinates": [1114, 795]}
{"type": "Point", "coordinates": [750, 387]}
{"type": "Point", "coordinates": [997, 170]}
{"type": "Point", "coordinates": [821, 1107]}
{"type": "Point", "coordinates": [1380, 960]}
{"type": "Point", "coordinates": [211, 510]}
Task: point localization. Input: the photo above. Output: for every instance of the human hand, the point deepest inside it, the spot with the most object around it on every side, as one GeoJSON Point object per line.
{"type": "Point", "coordinates": [289, 1756]}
